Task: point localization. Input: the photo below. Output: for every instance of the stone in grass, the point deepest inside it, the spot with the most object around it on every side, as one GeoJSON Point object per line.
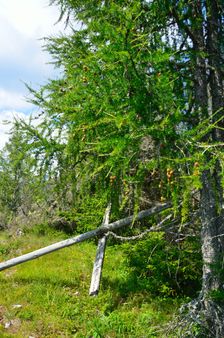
{"type": "Point", "coordinates": [7, 324]}
{"type": "Point", "coordinates": [17, 306]}
{"type": "Point", "coordinates": [14, 323]}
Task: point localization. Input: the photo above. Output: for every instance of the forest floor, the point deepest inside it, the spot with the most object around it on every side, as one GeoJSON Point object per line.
{"type": "Point", "coordinates": [48, 297]}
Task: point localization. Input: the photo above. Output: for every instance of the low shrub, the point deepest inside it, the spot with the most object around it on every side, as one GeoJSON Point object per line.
{"type": "Point", "coordinates": [165, 267]}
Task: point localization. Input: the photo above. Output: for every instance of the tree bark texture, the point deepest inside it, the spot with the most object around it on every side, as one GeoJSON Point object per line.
{"type": "Point", "coordinates": [210, 94]}
{"type": "Point", "coordinates": [205, 29]}
{"type": "Point", "coordinates": [212, 192]}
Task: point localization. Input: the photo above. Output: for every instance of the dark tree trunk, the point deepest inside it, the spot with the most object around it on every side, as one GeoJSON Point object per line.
{"type": "Point", "coordinates": [206, 32]}
{"type": "Point", "coordinates": [212, 206]}
{"type": "Point", "coordinates": [212, 193]}
{"type": "Point", "coordinates": [212, 315]}
{"type": "Point", "coordinates": [215, 45]}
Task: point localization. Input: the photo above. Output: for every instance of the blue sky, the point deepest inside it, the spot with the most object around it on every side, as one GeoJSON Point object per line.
{"type": "Point", "coordinates": [22, 24]}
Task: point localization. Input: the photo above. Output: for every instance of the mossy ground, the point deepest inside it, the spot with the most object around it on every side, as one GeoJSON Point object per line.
{"type": "Point", "coordinates": [48, 297]}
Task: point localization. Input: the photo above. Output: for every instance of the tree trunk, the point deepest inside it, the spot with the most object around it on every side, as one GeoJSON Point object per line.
{"type": "Point", "coordinates": [212, 192]}
{"type": "Point", "coordinates": [210, 94]}
{"type": "Point", "coordinates": [206, 33]}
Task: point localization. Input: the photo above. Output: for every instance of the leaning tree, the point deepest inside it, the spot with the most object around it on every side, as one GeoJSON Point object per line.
{"type": "Point", "coordinates": [138, 109]}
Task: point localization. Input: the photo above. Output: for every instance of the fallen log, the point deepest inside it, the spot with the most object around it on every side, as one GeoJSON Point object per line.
{"type": "Point", "coordinates": [83, 237]}
{"type": "Point", "coordinates": [100, 253]}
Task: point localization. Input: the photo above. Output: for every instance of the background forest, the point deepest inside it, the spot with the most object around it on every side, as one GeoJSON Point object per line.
{"type": "Point", "coordinates": [135, 119]}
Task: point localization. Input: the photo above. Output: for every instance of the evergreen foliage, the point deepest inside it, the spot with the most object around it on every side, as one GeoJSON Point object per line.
{"type": "Point", "coordinates": [135, 117]}
{"type": "Point", "coordinates": [113, 120]}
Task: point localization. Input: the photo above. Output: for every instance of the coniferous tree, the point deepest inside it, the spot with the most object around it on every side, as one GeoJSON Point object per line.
{"type": "Point", "coordinates": [139, 109]}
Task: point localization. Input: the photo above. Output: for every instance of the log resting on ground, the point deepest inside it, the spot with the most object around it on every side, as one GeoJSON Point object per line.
{"type": "Point", "coordinates": [83, 237]}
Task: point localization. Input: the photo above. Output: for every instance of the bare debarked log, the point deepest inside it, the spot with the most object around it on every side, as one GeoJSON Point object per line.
{"type": "Point", "coordinates": [100, 253]}
{"type": "Point", "coordinates": [83, 237]}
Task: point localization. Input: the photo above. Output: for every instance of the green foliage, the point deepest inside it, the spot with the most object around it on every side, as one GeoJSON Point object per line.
{"type": "Point", "coordinates": [116, 91]}
{"type": "Point", "coordinates": [120, 118]}
{"type": "Point", "coordinates": [126, 122]}
{"type": "Point", "coordinates": [165, 267]}
{"type": "Point", "coordinates": [87, 216]}
{"type": "Point", "coordinates": [23, 189]}
{"type": "Point", "coordinates": [217, 296]}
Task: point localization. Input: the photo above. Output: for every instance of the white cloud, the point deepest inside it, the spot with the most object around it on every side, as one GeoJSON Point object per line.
{"type": "Point", "coordinates": [18, 48]}
{"type": "Point", "coordinates": [13, 100]}
{"type": "Point", "coordinates": [6, 118]}
{"type": "Point", "coordinates": [33, 18]}
{"type": "Point", "coordinates": [22, 23]}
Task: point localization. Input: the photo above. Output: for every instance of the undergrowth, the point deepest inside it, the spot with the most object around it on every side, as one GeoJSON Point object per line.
{"type": "Point", "coordinates": [48, 297]}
